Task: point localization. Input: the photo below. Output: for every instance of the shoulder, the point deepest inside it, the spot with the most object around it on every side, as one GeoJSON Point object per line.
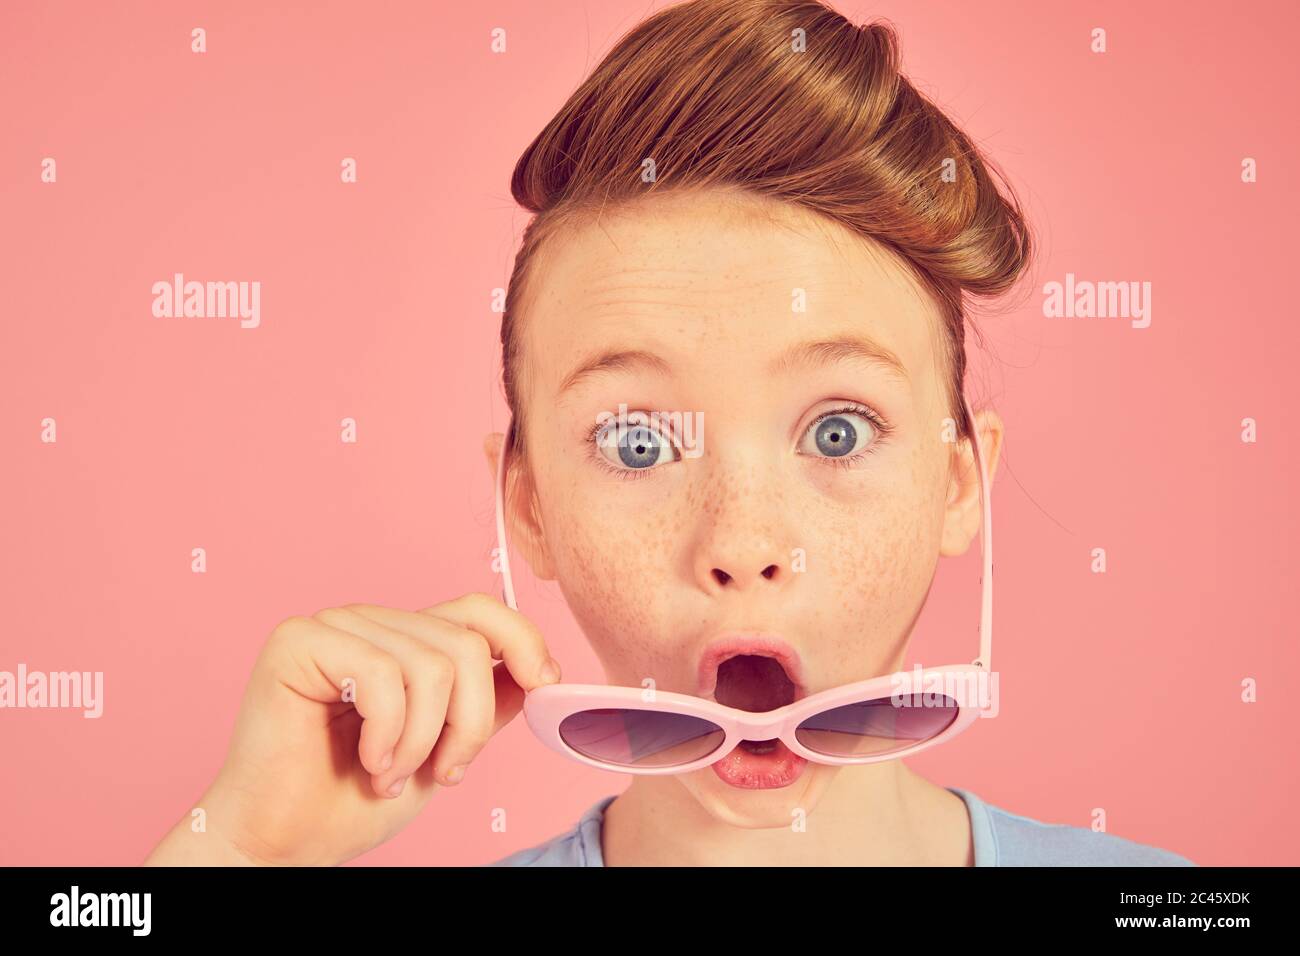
{"type": "Point", "coordinates": [562, 850]}
{"type": "Point", "coordinates": [1023, 841]}
{"type": "Point", "coordinates": [579, 846]}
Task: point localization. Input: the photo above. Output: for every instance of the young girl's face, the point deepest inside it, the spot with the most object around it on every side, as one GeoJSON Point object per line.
{"type": "Point", "coordinates": [823, 535]}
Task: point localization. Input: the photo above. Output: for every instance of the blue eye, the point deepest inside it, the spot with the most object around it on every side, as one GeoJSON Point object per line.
{"type": "Point", "coordinates": [835, 436]}
{"type": "Point", "coordinates": [845, 434]}
{"type": "Point", "coordinates": [636, 447]}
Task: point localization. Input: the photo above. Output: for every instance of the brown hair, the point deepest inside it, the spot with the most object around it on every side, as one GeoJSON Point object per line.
{"type": "Point", "coordinates": [718, 94]}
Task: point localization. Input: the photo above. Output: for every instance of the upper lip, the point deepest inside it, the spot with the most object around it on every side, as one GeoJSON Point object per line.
{"type": "Point", "coordinates": [735, 643]}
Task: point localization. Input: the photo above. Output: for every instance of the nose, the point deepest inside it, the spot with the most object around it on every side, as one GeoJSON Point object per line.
{"type": "Point", "coordinates": [724, 577]}
{"type": "Point", "coordinates": [744, 545]}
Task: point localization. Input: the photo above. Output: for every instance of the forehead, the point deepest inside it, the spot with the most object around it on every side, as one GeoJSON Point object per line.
{"type": "Point", "coordinates": [713, 276]}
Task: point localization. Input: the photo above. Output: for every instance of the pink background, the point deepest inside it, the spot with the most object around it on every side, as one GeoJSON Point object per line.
{"type": "Point", "coordinates": [1119, 691]}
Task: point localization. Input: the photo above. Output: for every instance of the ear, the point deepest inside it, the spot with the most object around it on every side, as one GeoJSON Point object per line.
{"type": "Point", "coordinates": [524, 533]}
{"type": "Point", "coordinates": [964, 510]}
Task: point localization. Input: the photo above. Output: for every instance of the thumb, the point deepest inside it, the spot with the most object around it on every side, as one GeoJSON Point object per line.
{"type": "Point", "coordinates": [509, 696]}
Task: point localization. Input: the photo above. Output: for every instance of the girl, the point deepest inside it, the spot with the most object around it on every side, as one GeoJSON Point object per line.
{"type": "Point", "coordinates": [748, 216]}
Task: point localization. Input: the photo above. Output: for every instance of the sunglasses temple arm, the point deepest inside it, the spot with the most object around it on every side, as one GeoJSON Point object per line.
{"type": "Point", "coordinates": [507, 585]}
{"type": "Point", "coordinates": [985, 660]}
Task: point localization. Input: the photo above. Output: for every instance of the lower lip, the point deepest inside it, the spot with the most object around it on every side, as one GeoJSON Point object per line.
{"type": "Point", "coordinates": [779, 767]}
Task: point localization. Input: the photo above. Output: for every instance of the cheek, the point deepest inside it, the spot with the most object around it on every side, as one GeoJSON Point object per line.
{"type": "Point", "coordinates": [613, 567]}
{"type": "Point", "coordinates": [878, 556]}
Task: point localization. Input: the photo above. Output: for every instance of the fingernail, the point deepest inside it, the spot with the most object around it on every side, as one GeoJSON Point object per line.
{"type": "Point", "coordinates": [455, 773]}
{"type": "Point", "coordinates": [551, 672]}
{"type": "Point", "coordinates": [387, 761]}
{"type": "Point", "coordinates": [396, 788]}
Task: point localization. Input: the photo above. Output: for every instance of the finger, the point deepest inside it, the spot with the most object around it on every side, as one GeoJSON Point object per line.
{"type": "Point", "coordinates": [328, 661]}
{"type": "Point", "coordinates": [512, 637]}
{"type": "Point", "coordinates": [471, 712]}
{"type": "Point", "coordinates": [430, 679]}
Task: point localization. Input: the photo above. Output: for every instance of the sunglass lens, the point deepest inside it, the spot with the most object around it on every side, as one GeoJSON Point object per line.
{"type": "Point", "coordinates": [877, 726]}
{"type": "Point", "coordinates": [640, 738]}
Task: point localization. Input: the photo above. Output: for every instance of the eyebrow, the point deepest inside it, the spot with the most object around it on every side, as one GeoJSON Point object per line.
{"type": "Point", "coordinates": [616, 360]}
{"type": "Point", "coordinates": [844, 347]}
{"type": "Point", "coordinates": [802, 356]}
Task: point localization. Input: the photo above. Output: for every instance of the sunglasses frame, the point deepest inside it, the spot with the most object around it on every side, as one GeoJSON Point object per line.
{"type": "Point", "coordinates": [545, 708]}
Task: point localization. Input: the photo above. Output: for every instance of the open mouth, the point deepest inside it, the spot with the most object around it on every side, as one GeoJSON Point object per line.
{"type": "Point", "coordinates": [755, 683]}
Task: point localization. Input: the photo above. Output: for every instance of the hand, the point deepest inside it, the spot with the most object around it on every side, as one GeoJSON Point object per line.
{"type": "Point", "coordinates": [351, 720]}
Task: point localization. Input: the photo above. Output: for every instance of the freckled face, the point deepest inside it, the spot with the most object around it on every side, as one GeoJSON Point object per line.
{"type": "Point", "coordinates": [780, 517]}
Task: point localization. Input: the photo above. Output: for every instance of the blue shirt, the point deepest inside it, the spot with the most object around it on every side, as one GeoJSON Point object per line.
{"type": "Point", "coordinates": [1001, 838]}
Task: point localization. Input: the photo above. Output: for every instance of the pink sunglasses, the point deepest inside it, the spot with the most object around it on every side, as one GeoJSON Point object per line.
{"type": "Point", "coordinates": [646, 731]}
